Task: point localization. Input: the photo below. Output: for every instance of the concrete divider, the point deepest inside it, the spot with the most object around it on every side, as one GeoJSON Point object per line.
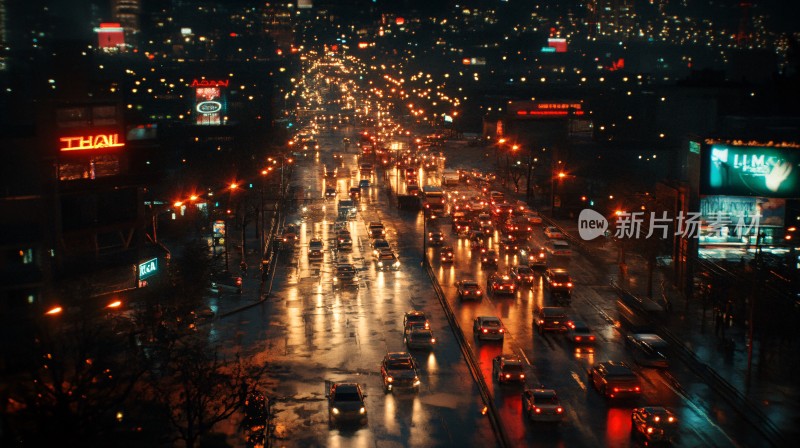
{"type": "Point", "coordinates": [472, 363]}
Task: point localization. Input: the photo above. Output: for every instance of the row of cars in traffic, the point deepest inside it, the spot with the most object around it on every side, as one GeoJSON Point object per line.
{"type": "Point", "coordinates": [611, 379]}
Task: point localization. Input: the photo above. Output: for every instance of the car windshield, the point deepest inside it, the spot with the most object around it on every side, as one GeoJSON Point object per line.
{"type": "Point", "coordinates": [346, 396]}
{"type": "Point", "coordinates": [470, 285]}
{"type": "Point", "coordinates": [399, 364]}
{"type": "Point", "coordinates": [416, 318]}
{"type": "Point", "coordinates": [315, 245]}
{"type": "Point", "coordinates": [561, 277]}
{"type": "Point", "coordinates": [381, 243]}
{"type": "Point", "coordinates": [545, 398]}
{"type": "Point", "coordinates": [512, 368]}
{"type": "Point", "coordinates": [385, 256]}
{"type": "Point", "coordinates": [491, 323]}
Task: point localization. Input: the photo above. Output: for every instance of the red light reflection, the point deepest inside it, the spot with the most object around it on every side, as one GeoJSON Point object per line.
{"type": "Point", "coordinates": [618, 427]}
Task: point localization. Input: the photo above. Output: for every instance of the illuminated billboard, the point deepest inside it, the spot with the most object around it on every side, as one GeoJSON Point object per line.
{"type": "Point", "coordinates": [739, 170]}
{"type": "Point", "coordinates": [209, 103]}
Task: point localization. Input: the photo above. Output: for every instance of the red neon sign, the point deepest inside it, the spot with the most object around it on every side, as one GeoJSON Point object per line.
{"type": "Point", "coordinates": [207, 83]}
{"type": "Point", "coordinates": [82, 143]}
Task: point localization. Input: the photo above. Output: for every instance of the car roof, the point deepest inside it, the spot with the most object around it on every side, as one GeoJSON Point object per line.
{"type": "Point", "coordinates": [347, 387]}
{"type": "Point", "coordinates": [375, 223]}
{"type": "Point", "coordinates": [511, 359]}
{"type": "Point", "coordinates": [469, 282]}
{"type": "Point", "coordinates": [617, 368]}
{"type": "Point", "coordinates": [489, 318]}
{"type": "Point", "coordinates": [660, 410]}
{"type": "Point", "coordinates": [553, 310]}
{"type": "Point", "coordinates": [558, 270]}
{"type": "Point", "coordinates": [415, 313]}
{"type": "Point", "coordinates": [559, 243]}
{"type": "Point", "coordinates": [398, 356]}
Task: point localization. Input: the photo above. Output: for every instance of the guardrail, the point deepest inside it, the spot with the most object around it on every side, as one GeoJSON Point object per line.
{"type": "Point", "coordinates": [472, 363]}
{"type": "Point", "coordinates": [732, 395]}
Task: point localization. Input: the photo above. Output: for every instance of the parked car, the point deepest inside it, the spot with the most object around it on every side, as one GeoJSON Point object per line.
{"type": "Point", "coordinates": [614, 380]}
{"type": "Point", "coordinates": [542, 405]}
{"type": "Point", "coordinates": [225, 281]}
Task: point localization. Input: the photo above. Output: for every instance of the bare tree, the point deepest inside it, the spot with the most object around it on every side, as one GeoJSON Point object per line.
{"type": "Point", "coordinates": [200, 388]}
{"type": "Point", "coordinates": [80, 373]}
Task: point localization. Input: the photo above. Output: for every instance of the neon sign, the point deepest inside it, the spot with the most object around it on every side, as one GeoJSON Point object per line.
{"type": "Point", "coordinates": [208, 107]}
{"type": "Point", "coordinates": [148, 268]}
{"type": "Point", "coordinates": [207, 83]}
{"type": "Point", "coordinates": [82, 143]}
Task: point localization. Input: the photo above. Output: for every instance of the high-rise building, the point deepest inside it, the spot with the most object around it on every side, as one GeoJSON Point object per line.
{"type": "Point", "coordinates": [3, 35]}
{"type": "Point", "coordinates": [610, 19]}
{"type": "Point", "coordinates": [126, 12]}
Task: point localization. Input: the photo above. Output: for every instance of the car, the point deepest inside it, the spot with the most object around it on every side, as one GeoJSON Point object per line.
{"type": "Point", "coordinates": [579, 333]}
{"type": "Point", "coordinates": [523, 275]}
{"type": "Point", "coordinates": [399, 371]}
{"type": "Point", "coordinates": [363, 183]}
{"type": "Point", "coordinates": [345, 275]}
{"type": "Point", "coordinates": [415, 317]}
{"type": "Point", "coordinates": [387, 260]}
{"type": "Point", "coordinates": [558, 248]}
{"type": "Point", "coordinates": [489, 258]}
{"type": "Point", "coordinates": [346, 404]}
{"type": "Point", "coordinates": [501, 283]}
{"type": "Point", "coordinates": [413, 189]}
{"type": "Point", "coordinates": [484, 218]}
{"type": "Point", "coordinates": [558, 282]}
{"type": "Point", "coordinates": [542, 405]}
{"type": "Point", "coordinates": [533, 256]}
{"type": "Point", "coordinates": [330, 193]}
{"type": "Point", "coordinates": [330, 173]}
{"type": "Point", "coordinates": [376, 230]}
{"type": "Point", "coordinates": [614, 379]}
{"type": "Point", "coordinates": [469, 289]}
{"type": "Point", "coordinates": [343, 240]}
{"type": "Point", "coordinates": [486, 229]}
{"type": "Point", "coordinates": [550, 318]}
{"type": "Point", "coordinates": [509, 244]}
{"type": "Point", "coordinates": [378, 245]}
{"type": "Point", "coordinates": [436, 238]}
{"type": "Point", "coordinates": [316, 249]}
{"type": "Point", "coordinates": [649, 350]}
{"type": "Point", "coordinates": [506, 368]}
{"type": "Point", "coordinates": [461, 226]}
{"type": "Point", "coordinates": [488, 328]}
{"type": "Point", "coordinates": [447, 254]}
{"type": "Point", "coordinates": [532, 217]}
{"type": "Point", "coordinates": [224, 280]}
{"type": "Point", "coordinates": [338, 156]}
{"type": "Point", "coordinates": [553, 233]}
{"type": "Point", "coordinates": [654, 424]}
{"type": "Point", "coordinates": [419, 337]}
{"type": "Point", "coordinates": [354, 192]}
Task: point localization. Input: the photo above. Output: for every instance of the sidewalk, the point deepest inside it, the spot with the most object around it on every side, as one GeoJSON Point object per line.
{"type": "Point", "coordinates": [769, 386]}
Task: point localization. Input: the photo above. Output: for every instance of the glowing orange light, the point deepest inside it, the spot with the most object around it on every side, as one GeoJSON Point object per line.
{"type": "Point", "coordinates": [114, 304]}
{"type": "Point", "coordinates": [54, 310]}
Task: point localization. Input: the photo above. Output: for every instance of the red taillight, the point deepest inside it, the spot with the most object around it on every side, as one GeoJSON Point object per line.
{"type": "Point", "coordinates": [569, 284]}
{"type": "Point", "coordinates": [637, 389]}
{"type": "Point", "coordinates": [616, 389]}
{"type": "Point", "coordinates": [485, 330]}
{"type": "Point", "coordinates": [559, 410]}
{"type": "Point", "coordinates": [591, 338]}
{"type": "Point", "coordinates": [522, 375]}
{"type": "Point", "coordinates": [501, 330]}
{"type": "Point", "coordinates": [577, 338]}
{"type": "Point", "coordinates": [538, 410]}
{"type": "Point", "coordinates": [508, 375]}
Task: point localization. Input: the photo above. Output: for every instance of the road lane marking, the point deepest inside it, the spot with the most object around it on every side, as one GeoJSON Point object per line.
{"type": "Point", "coordinates": [522, 352]}
{"type": "Point", "coordinates": [577, 379]}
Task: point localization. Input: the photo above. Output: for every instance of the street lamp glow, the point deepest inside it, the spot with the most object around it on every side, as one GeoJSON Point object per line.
{"type": "Point", "coordinates": [234, 186]}
{"type": "Point", "coordinates": [264, 172]}
{"type": "Point", "coordinates": [54, 310]}
{"type": "Point", "coordinates": [562, 175]}
{"type": "Point", "coordinates": [114, 304]}
{"type": "Point", "coordinates": [193, 197]}
{"type": "Point", "coordinates": [178, 203]}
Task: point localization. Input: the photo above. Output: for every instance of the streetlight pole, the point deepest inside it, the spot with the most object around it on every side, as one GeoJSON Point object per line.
{"type": "Point", "coordinates": [528, 180]}
{"type": "Point", "coordinates": [424, 235]}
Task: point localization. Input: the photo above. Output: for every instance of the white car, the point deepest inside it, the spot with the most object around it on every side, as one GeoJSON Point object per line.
{"type": "Point", "coordinates": [553, 233]}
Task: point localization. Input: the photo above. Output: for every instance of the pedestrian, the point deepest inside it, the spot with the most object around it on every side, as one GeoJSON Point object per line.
{"type": "Point", "coordinates": [718, 323]}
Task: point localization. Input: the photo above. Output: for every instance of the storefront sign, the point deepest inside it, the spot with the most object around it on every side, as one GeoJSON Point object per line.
{"type": "Point", "coordinates": [82, 143]}
{"type": "Point", "coordinates": [209, 107]}
{"type": "Point", "coordinates": [148, 268]}
{"type": "Point", "coordinates": [207, 83]}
